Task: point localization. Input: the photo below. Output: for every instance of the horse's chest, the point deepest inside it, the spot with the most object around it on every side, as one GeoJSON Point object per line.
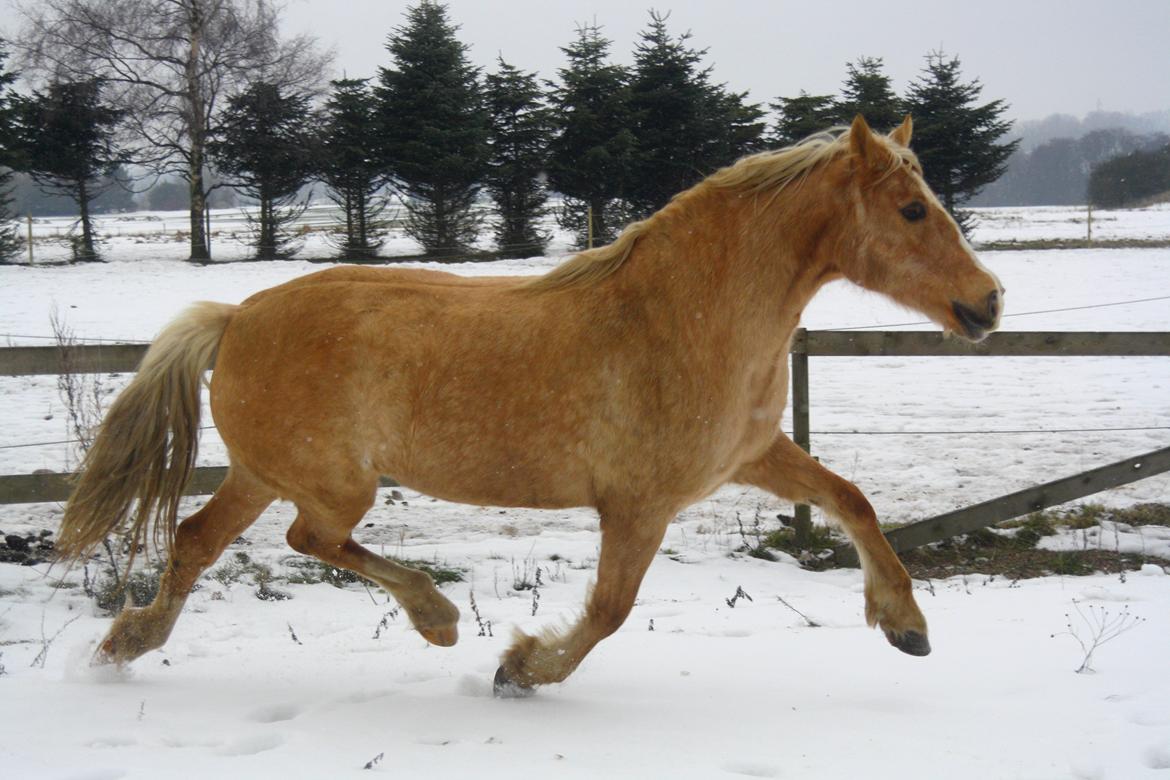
{"type": "Point", "coordinates": [765, 394]}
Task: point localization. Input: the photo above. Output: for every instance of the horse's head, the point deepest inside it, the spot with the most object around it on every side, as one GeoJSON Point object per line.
{"type": "Point", "coordinates": [907, 245]}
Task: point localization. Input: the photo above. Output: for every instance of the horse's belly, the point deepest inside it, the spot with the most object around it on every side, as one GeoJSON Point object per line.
{"type": "Point", "coordinates": [488, 473]}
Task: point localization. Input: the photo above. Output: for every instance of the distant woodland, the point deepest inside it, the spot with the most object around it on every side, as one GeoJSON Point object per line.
{"type": "Point", "coordinates": [1057, 155]}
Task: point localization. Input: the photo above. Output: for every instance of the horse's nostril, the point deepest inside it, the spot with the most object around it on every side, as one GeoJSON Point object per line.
{"type": "Point", "coordinates": [993, 305]}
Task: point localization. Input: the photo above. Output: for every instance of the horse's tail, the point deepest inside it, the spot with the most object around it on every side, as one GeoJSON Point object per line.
{"type": "Point", "coordinates": [144, 454]}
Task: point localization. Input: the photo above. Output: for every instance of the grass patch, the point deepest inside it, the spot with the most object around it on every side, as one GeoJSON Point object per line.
{"type": "Point", "coordinates": [1011, 549]}
{"type": "Point", "coordinates": [1142, 514]}
{"type": "Point", "coordinates": [110, 592]}
{"type": "Point", "coordinates": [310, 571]}
{"type": "Point", "coordinates": [940, 562]}
{"type": "Point", "coordinates": [441, 573]}
{"type": "Point", "coordinates": [241, 568]}
{"type": "Point", "coordinates": [814, 555]}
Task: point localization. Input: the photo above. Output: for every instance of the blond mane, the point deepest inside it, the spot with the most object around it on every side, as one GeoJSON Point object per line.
{"type": "Point", "coordinates": [769, 171]}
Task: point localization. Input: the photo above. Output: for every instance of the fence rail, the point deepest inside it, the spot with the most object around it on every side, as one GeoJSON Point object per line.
{"type": "Point", "coordinates": [117, 358]}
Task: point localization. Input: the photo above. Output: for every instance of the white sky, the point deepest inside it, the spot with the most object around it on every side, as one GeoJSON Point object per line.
{"type": "Point", "coordinates": [1042, 56]}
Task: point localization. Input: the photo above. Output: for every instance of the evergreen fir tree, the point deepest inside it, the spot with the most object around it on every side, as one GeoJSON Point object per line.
{"type": "Point", "coordinates": [351, 167]}
{"type": "Point", "coordinates": [590, 156]}
{"type": "Point", "coordinates": [521, 125]}
{"type": "Point", "coordinates": [68, 147]}
{"type": "Point", "coordinates": [867, 91]}
{"type": "Point", "coordinates": [740, 127]}
{"type": "Point", "coordinates": [685, 127]}
{"type": "Point", "coordinates": [956, 139]}
{"type": "Point", "coordinates": [802, 116]}
{"type": "Point", "coordinates": [10, 243]}
{"type": "Point", "coordinates": [265, 149]}
{"type": "Point", "coordinates": [435, 129]}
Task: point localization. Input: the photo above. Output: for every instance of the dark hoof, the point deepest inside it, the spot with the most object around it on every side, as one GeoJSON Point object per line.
{"type": "Point", "coordinates": [911, 642]}
{"type": "Point", "coordinates": [504, 687]}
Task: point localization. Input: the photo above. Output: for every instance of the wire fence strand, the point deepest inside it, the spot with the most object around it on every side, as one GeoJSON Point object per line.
{"type": "Point", "coordinates": [1014, 314]}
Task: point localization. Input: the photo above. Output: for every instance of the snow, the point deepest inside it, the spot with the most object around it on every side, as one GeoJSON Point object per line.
{"type": "Point", "coordinates": [1071, 222]}
{"type": "Point", "coordinates": [712, 691]}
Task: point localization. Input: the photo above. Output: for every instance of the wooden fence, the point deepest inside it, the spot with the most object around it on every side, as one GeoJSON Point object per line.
{"type": "Point", "coordinates": [30, 488]}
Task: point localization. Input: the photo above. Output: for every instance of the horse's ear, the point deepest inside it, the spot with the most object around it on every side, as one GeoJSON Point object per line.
{"type": "Point", "coordinates": [862, 142]}
{"type": "Point", "coordinates": [901, 134]}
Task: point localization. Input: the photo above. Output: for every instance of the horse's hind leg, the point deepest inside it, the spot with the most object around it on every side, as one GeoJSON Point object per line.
{"type": "Point", "coordinates": [326, 535]}
{"type": "Point", "coordinates": [791, 473]}
{"type": "Point", "coordinates": [199, 541]}
{"type": "Point", "coordinates": [629, 540]}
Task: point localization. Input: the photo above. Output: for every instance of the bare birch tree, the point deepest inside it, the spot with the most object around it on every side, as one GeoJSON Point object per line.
{"type": "Point", "coordinates": [170, 64]}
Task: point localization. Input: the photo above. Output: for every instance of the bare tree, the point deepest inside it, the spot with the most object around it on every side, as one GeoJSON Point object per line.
{"type": "Point", "coordinates": [170, 64]}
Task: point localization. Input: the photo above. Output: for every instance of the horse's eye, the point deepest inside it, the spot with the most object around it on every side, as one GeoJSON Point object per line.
{"type": "Point", "coordinates": [914, 211]}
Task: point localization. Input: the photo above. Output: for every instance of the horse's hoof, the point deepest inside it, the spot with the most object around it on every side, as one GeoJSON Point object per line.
{"type": "Point", "coordinates": [504, 687]}
{"type": "Point", "coordinates": [910, 642]}
{"type": "Point", "coordinates": [442, 636]}
{"type": "Point", "coordinates": [106, 655]}
{"type": "Point", "coordinates": [102, 656]}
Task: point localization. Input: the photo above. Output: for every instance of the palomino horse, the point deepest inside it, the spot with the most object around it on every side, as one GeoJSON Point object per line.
{"type": "Point", "coordinates": [636, 379]}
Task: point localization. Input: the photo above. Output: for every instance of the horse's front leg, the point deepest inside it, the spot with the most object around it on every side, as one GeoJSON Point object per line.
{"type": "Point", "coordinates": [630, 537]}
{"type": "Point", "coordinates": [791, 473]}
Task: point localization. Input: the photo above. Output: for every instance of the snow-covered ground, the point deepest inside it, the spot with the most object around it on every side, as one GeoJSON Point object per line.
{"type": "Point", "coordinates": [711, 691]}
{"type": "Point", "coordinates": [1035, 223]}
{"type": "Point", "coordinates": [162, 234]}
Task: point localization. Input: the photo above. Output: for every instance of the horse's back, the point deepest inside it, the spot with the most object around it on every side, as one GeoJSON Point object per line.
{"type": "Point", "coordinates": [467, 389]}
{"type": "Point", "coordinates": [387, 276]}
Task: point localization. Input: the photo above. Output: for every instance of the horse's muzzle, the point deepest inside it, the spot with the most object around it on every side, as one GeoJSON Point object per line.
{"type": "Point", "coordinates": [977, 324]}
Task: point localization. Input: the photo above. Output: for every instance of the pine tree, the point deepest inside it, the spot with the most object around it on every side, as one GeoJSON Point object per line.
{"type": "Point", "coordinates": [68, 147]}
{"type": "Point", "coordinates": [802, 116]}
{"type": "Point", "coordinates": [171, 64]}
{"type": "Point", "coordinates": [685, 127]}
{"type": "Point", "coordinates": [521, 125]}
{"type": "Point", "coordinates": [351, 165]}
{"type": "Point", "coordinates": [956, 139]}
{"type": "Point", "coordinates": [10, 243]}
{"type": "Point", "coordinates": [590, 155]}
{"type": "Point", "coordinates": [867, 91]}
{"type": "Point", "coordinates": [265, 149]}
{"type": "Point", "coordinates": [435, 129]}
{"type": "Point", "coordinates": [740, 127]}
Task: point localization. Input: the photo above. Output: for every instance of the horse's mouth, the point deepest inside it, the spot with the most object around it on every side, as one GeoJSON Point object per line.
{"type": "Point", "coordinates": [972, 326]}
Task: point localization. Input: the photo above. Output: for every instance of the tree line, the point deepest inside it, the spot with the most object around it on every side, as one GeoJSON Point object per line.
{"type": "Point", "coordinates": [198, 87]}
{"type": "Point", "coordinates": [1131, 179]}
{"type": "Point", "coordinates": [1059, 171]}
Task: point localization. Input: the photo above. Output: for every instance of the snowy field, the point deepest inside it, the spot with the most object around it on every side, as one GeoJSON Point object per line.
{"type": "Point", "coordinates": [690, 687]}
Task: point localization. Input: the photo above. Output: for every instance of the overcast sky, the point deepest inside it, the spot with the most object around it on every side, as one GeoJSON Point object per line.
{"type": "Point", "coordinates": [1042, 56]}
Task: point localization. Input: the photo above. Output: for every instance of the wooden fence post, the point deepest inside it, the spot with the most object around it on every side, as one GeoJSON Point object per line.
{"type": "Point", "coordinates": [800, 434]}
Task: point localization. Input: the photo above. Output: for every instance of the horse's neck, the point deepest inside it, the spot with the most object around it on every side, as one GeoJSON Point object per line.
{"type": "Point", "coordinates": [746, 265]}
